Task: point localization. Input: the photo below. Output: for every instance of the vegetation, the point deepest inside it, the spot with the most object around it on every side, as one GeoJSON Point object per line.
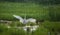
{"type": "Point", "coordinates": [44, 2]}
{"type": "Point", "coordinates": [54, 13]}
{"type": "Point", "coordinates": [52, 26]}
{"type": "Point", "coordinates": [44, 28]}
{"type": "Point", "coordinates": [32, 10]}
{"type": "Point", "coordinates": [46, 10]}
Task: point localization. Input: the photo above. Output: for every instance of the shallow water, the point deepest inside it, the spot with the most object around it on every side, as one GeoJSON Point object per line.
{"type": "Point", "coordinates": [31, 28]}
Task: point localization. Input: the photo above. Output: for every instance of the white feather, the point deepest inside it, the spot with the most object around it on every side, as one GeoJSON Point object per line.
{"type": "Point", "coordinates": [18, 17]}
{"type": "Point", "coordinates": [31, 20]}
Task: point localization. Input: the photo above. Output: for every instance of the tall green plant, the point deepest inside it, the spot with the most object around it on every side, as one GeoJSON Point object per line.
{"type": "Point", "coordinates": [54, 13]}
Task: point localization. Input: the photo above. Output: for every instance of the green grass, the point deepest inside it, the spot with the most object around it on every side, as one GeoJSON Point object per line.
{"type": "Point", "coordinates": [15, 31]}
{"type": "Point", "coordinates": [52, 26]}
{"type": "Point", "coordinates": [7, 9]}
{"type": "Point", "coordinates": [44, 28]}
{"type": "Point", "coordinates": [54, 12]}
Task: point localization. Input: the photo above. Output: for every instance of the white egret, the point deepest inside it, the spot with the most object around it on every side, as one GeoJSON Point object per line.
{"type": "Point", "coordinates": [24, 21]}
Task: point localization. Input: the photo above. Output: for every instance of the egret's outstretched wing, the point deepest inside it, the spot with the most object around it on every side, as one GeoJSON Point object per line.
{"type": "Point", "coordinates": [18, 17]}
{"type": "Point", "coordinates": [31, 20]}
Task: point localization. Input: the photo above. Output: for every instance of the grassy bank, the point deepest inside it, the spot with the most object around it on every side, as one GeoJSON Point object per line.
{"type": "Point", "coordinates": [7, 9]}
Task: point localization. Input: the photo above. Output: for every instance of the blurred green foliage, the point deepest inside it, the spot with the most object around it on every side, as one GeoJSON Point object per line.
{"type": "Point", "coordinates": [32, 10]}
{"type": "Point", "coordinates": [54, 13]}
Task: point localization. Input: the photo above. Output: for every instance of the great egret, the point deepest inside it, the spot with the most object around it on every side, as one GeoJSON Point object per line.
{"type": "Point", "coordinates": [24, 21]}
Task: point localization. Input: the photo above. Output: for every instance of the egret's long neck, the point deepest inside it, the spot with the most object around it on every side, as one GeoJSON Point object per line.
{"type": "Point", "coordinates": [24, 21]}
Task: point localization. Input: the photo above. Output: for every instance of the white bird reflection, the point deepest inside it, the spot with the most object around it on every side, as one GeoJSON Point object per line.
{"type": "Point", "coordinates": [31, 28]}
{"type": "Point", "coordinates": [27, 28]}
{"type": "Point", "coordinates": [24, 21]}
